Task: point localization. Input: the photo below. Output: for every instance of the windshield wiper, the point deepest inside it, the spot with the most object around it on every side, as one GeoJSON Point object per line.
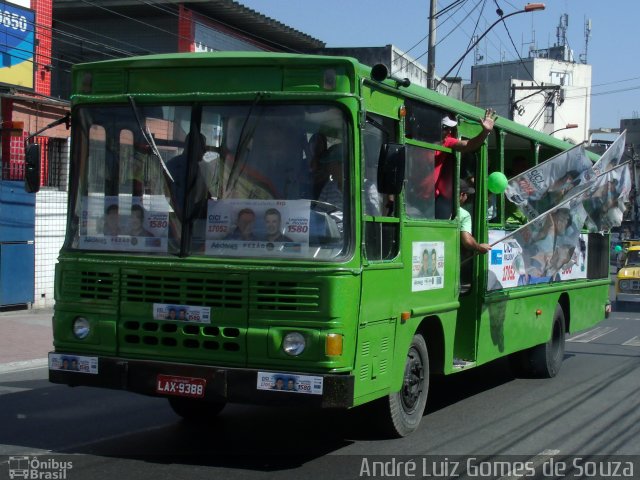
{"type": "Point", "coordinates": [146, 134]}
{"type": "Point", "coordinates": [241, 150]}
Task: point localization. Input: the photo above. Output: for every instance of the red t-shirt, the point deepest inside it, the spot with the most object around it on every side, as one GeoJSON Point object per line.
{"type": "Point", "coordinates": [444, 166]}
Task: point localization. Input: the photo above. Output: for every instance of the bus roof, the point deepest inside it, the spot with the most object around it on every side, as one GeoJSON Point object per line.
{"type": "Point", "coordinates": [205, 59]}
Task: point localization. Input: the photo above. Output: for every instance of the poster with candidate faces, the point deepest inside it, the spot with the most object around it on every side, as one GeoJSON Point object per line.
{"type": "Point", "coordinates": [427, 266]}
{"type": "Point", "coordinates": [257, 227]}
{"type": "Point", "coordinates": [124, 223]}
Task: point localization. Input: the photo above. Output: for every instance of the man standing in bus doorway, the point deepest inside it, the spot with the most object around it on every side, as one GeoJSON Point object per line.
{"type": "Point", "coordinates": [445, 163]}
{"type": "Point", "coordinates": [466, 236]}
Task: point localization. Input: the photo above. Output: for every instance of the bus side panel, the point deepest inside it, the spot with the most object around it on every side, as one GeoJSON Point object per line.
{"type": "Point", "coordinates": [587, 307]}
{"type": "Point", "coordinates": [509, 325]}
{"type": "Point", "coordinates": [379, 312]}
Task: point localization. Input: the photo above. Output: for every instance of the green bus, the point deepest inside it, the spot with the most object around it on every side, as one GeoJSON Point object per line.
{"type": "Point", "coordinates": [253, 228]}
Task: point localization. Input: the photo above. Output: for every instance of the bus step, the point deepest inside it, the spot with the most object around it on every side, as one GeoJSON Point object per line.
{"type": "Point", "coordinates": [459, 364]}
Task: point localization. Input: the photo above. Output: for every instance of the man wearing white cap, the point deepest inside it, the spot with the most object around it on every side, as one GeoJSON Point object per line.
{"type": "Point", "coordinates": [445, 162]}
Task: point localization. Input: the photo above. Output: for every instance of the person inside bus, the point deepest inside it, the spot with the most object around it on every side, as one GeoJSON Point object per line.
{"type": "Point", "coordinates": [445, 163]}
{"type": "Point", "coordinates": [178, 167]}
{"type": "Point", "coordinates": [470, 245]}
{"type": "Point", "coordinates": [316, 147]}
{"type": "Point", "coordinates": [513, 215]}
{"type": "Point", "coordinates": [332, 192]}
{"type": "Point", "coordinates": [466, 236]}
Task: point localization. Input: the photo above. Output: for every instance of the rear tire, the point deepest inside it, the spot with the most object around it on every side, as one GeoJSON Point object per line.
{"type": "Point", "coordinates": [545, 360]}
{"type": "Point", "coordinates": [404, 409]}
{"type": "Point", "coordinates": [193, 410]}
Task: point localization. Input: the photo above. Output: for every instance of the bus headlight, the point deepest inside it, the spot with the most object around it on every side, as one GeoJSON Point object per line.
{"type": "Point", "coordinates": [624, 284]}
{"type": "Point", "coordinates": [293, 343]}
{"type": "Point", "coordinates": [81, 328]}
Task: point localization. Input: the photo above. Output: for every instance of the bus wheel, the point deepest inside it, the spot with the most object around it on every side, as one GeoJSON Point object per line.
{"type": "Point", "coordinates": [405, 408]}
{"type": "Point", "coordinates": [544, 361]}
{"type": "Point", "coordinates": [193, 410]}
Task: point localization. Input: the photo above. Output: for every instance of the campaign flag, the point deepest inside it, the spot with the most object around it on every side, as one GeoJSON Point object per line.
{"type": "Point", "coordinates": [549, 243]}
{"type": "Point", "coordinates": [550, 183]}
{"type": "Point", "coordinates": [612, 157]}
{"type": "Point", "coordinates": [606, 198]}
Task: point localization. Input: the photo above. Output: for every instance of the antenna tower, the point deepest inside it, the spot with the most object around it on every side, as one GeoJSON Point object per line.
{"type": "Point", "coordinates": [587, 36]}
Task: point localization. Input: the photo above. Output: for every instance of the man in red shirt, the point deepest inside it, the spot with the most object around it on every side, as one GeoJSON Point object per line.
{"type": "Point", "coordinates": [445, 162]}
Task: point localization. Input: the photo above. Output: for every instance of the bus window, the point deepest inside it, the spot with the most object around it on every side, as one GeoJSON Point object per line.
{"type": "Point", "coordinates": [420, 185]}
{"type": "Point", "coordinates": [381, 238]}
{"type": "Point", "coordinates": [423, 122]}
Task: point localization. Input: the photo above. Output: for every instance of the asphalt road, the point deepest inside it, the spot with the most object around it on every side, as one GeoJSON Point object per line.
{"type": "Point", "coordinates": [590, 408]}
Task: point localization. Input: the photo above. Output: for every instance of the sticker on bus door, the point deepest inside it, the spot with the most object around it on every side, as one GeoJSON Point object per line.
{"type": "Point", "coordinates": [427, 266]}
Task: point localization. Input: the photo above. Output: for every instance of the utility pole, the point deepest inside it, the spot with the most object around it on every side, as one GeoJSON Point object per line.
{"type": "Point", "coordinates": [431, 56]}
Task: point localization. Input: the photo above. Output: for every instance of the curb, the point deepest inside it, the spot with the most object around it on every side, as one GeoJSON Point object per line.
{"type": "Point", "coordinates": [23, 365]}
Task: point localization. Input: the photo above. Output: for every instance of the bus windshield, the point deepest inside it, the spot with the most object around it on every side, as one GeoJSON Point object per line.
{"type": "Point", "coordinates": [242, 181]}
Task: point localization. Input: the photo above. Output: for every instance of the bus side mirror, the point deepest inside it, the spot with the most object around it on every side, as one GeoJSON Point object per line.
{"type": "Point", "coordinates": [32, 168]}
{"type": "Point", "coordinates": [391, 168]}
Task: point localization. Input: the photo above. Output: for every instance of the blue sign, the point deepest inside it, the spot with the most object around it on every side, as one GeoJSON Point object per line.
{"type": "Point", "coordinates": [17, 34]}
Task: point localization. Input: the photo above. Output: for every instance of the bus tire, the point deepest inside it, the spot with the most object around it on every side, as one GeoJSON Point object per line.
{"type": "Point", "coordinates": [545, 360]}
{"type": "Point", "coordinates": [406, 407]}
{"type": "Point", "coordinates": [193, 410]}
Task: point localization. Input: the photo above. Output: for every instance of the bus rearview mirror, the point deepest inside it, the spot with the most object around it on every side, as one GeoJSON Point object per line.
{"type": "Point", "coordinates": [391, 168]}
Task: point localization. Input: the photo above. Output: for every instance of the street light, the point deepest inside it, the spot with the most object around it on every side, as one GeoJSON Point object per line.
{"type": "Point", "coordinates": [568, 126]}
{"type": "Point", "coordinates": [529, 7]}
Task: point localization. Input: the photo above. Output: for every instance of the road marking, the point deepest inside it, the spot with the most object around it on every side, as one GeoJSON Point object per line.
{"type": "Point", "coordinates": [533, 462]}
{"type": "Point", "coordinates": [634, 342]}
{"type": "Point", "coordinates": [24, 365]}
{"type": "Point", "coordinates": [591, 335]}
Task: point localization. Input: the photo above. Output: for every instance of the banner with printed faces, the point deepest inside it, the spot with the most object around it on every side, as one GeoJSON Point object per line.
{"type": "Point", "coordinates": [612, 157]}
{"type": "Point", "coordinates": [508, 262]}
{"type": "Point", "coordinates": [605, 200]}
{"type": "Point", "coordinates": [124, 223]}
{"type": "Point", "coordinates": [550, 183]}
{"type": "Point", "coordinates": [427, 266]}
{"type": "Point", "coordinates": [257, 227]}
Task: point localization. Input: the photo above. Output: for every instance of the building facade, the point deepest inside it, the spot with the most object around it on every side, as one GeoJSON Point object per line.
{"type": "Point", "coordinates": [547, 92]}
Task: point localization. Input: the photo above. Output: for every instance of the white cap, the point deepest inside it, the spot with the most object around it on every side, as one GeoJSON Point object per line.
{"type": "Point", "coordinates": [448, 122]}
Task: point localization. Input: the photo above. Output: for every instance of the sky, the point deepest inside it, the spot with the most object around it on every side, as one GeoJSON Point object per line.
{"type": "Point", "coordinates": [404, 23]}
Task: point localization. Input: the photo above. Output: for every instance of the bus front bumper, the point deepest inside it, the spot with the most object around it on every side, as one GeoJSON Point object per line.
{"type": "Point", "coordinates": [235, 385]}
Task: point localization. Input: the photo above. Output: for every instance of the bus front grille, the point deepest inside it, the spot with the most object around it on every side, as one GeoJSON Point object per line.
{"type": "Point", "coordinates": [174, 335]}
{"type": "Point", "coordinates": [89, 286]}
{"type": "Point", "coordinates": [284, 296]}
{"type": "Point", "coordinates": [185, 288]}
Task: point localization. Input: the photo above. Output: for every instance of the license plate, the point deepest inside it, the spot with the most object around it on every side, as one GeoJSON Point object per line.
{"type": "Point", "coordinates": [180, 386]}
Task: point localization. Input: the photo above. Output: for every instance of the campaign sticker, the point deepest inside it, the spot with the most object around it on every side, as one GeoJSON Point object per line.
{"type": "Point", "coordinates": [73, 363]}
{"type": "Point", "coordinates": [181, 313]}
{"type": "Point", "coordinates": [287, 382]}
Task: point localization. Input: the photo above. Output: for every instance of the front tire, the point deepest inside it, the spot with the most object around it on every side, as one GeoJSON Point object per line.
{"type": "Point", "coordinates": [405, 408]}
{"type": "Point", "coordinates": [545, 360]}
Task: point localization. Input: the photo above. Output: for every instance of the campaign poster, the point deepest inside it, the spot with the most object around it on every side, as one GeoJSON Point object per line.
{"type": "Point", "coordinates": [508, 262]}
{"type": "Point", "coordinates": [124, 223]}
{"type": "Point", "coordinates": [287, 382]}
{"type": "Point", "coordinates": [427, 266]}
{"type": "Point", "coordinates": [73, 363]}
{"type": "Point", "coordinates": [257, 227]}
{"type": "Point", "coordinates": [181, 313]}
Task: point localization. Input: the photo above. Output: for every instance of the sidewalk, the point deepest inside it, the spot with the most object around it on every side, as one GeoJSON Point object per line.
{"type": "Point", "coordinates": [25, 339]}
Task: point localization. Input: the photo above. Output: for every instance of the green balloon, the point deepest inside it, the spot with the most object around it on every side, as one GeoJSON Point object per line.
{"type": "Point", "coordinates": [618, 248]}
{"type": "Point", "coordinates": [497, 182]}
